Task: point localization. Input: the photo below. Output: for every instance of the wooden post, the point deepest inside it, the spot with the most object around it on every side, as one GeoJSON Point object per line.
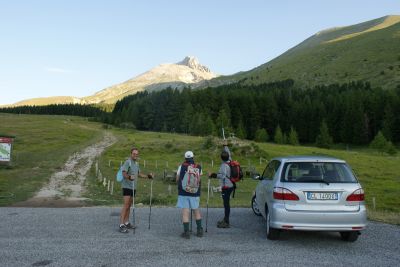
{"type": "Point", "coordinates": [112, 188]}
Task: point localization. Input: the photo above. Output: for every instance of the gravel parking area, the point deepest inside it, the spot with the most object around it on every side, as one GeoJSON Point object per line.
{"type": "Point", "coordinates": [90, 237]}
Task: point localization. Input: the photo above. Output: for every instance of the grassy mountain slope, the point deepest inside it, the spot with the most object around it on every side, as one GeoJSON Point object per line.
{"type": "Point", "coordinates": [368, 51]}
{"type": "Point", "coordinates": [42, 101]}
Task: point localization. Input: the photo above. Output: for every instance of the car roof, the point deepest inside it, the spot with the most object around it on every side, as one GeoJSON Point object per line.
{"type": "Point", "coordinates": [308, 158]}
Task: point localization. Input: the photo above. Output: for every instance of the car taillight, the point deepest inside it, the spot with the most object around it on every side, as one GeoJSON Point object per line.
{"type": "Point", "coordinates": [357, 195]}
{"type": "Point", "coordinates": [284, 194]}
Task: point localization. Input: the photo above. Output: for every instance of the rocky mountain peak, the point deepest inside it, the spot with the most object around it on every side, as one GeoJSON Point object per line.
{"type": "Point", "coordinates": [193, 63]}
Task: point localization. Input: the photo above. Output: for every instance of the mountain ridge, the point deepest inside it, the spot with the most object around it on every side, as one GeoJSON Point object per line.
{"type": "Point", "coordinates": [187, 72]}
{"type": "Point", "coordinates": [369, 53]}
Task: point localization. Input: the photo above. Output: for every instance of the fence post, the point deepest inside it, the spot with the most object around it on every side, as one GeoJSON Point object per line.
{"type": "Point", "coordinates": [100, 176]}
{"type": "Point", "coordinates": [373, 203]}
{"type": "Point", "coordinates": [112, 188]}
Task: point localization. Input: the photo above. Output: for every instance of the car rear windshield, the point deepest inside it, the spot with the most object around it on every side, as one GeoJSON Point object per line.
{"type": "Point", "coordinates": [310, 172]}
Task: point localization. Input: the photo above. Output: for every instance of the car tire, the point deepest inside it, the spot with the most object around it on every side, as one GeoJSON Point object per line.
{"type": "Point", "coordinates": [272, 233]}
{"type": "Point", "coordinates": [254, 206]}
{"type": "Point", "coordinates": [349, 236]}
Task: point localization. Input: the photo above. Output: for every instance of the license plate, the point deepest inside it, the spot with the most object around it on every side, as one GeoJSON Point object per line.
{"type": "Point", "coordinates": [322, 196]}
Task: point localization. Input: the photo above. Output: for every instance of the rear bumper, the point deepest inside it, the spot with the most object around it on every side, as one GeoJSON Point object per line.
{"type": "Point", "coordinates": [317, 221]}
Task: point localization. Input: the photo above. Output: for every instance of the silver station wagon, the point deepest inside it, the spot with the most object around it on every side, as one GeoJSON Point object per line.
{"type": "Point", "coordinates": [310, 193]}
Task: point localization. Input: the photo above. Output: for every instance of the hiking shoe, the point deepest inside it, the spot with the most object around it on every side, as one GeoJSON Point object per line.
{"type": "Point", "coordinates": [130, 226]}
{"type": "Point", "coordinates": [221, 221]}
{"type": "Point", "coordinates": [200, 232]}
{"type": "Point", "coordinates": [123, 229]}
{"type": "Point", "coordinates": [185, 235]}
{"type": "Point", "coordinates": [223, 224]}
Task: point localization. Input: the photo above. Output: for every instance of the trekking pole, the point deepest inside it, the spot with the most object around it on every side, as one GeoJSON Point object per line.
{"type": "Point", "coordinates": [191, 220]}
{"type": "Point", "coordinates": [151, 195]}
{"type": "Point", "coordinates": [133, 206]}
{"type": "Point", "coordinates": [208, 197]}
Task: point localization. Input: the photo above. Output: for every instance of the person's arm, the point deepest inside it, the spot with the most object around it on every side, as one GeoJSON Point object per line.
{"type": "Point", "coordinates": [226, 149]}
{"type": "Point", "coordinates": [149, 175]}
{"type": "Point", "coordinates": [125, 169]}
{"type": "Point", "coordinates": [178, 173]}
{"type": "Point", "coordinates": [223, 171]}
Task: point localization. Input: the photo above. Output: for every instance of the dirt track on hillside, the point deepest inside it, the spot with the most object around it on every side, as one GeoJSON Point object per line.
{"type": "Point", "coordinates": [66, 187]}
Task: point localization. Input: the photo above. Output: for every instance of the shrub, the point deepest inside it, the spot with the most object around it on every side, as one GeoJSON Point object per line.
{"type": "Point", "coordinates": [261, 135]}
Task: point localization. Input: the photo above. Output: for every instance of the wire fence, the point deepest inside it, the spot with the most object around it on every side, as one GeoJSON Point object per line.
{"type": "Point", "coordinates": [165, 173]}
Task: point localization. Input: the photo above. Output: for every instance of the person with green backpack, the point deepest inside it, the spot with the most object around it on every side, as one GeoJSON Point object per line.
{"type": "Point", "coordinates": [189, 187]}
{"type": "Point", "coordinates": [130, 172]}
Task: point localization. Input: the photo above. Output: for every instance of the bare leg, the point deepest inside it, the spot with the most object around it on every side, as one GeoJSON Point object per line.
{"type": "Point", "coordinates": [197, 214]}
{"type": "Point", "coordinates": [185, 215]}
{"type": "Point", "coordinates": [126, 209]}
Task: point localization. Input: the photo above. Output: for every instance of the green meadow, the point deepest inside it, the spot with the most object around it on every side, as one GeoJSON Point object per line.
{"type": "Point", "coordinates": [162, 153]}
{"type": "Point", "coordinates": [44, 143]}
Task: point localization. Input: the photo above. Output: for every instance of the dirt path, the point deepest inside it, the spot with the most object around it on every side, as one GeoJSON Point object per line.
{"type": "Point", "coordinates": [65, 187]}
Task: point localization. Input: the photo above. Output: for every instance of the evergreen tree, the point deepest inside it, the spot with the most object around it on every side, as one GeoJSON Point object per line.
{"type": "Point", "coordinates": [390, 148]}
{"type": "Point", "coordinates": [241, 131]}
{"type": "Point", "coordinates": [379, 142]}
{"type": "Point", "coordinates": [278, 137]}
{"type": "Point", "coordinates": [223, 120]}
{"type": "Point", "coordinates": [388, 122]}
{"type": "Point", "coordinates": [209, 126]}
{"type": "Point", "coordinates": [293, 138]}
{"type": "Point", "coordinates": [324, 139]}
{"type": "Point", "coordinates": [261, 135]}
{"type": "Point", "coordinates": [187, 117]}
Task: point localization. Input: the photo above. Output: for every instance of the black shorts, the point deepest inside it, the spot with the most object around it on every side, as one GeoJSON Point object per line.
{"type": "Point", "coordinates": [128, 192]}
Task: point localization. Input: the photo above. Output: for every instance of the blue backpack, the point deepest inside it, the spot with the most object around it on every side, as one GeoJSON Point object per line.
{"type": "Point", "coordinates": [120, 177]}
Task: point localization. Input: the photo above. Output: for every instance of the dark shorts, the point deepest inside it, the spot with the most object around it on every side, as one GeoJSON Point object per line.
{"type": "Point", "coordinates": [128, 192]}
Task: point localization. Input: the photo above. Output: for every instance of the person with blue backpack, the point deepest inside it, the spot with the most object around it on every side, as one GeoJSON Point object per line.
{"type": "Point", "coordinates": [130, 173]}
{"type": "Point", "coordinates": [189, 187]}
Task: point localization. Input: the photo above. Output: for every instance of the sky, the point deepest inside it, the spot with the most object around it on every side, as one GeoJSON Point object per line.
{"type": "Point", "coordinates": [76, 47]}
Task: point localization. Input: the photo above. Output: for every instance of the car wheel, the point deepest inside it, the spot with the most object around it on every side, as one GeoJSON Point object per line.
{"type": "Point", "coordinates": [254, 206]}
{"type": "Point", "coordinates": [349, 236]}
{"type": "Point", "coordinates": [272, 233]}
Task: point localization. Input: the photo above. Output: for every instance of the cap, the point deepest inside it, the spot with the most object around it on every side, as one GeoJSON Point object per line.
{"type": "Point", "coordinates": [189, 155]}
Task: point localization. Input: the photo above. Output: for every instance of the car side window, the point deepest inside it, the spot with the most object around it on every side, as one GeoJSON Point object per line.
{"type": "Point", "coordinates": [270, 170]}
